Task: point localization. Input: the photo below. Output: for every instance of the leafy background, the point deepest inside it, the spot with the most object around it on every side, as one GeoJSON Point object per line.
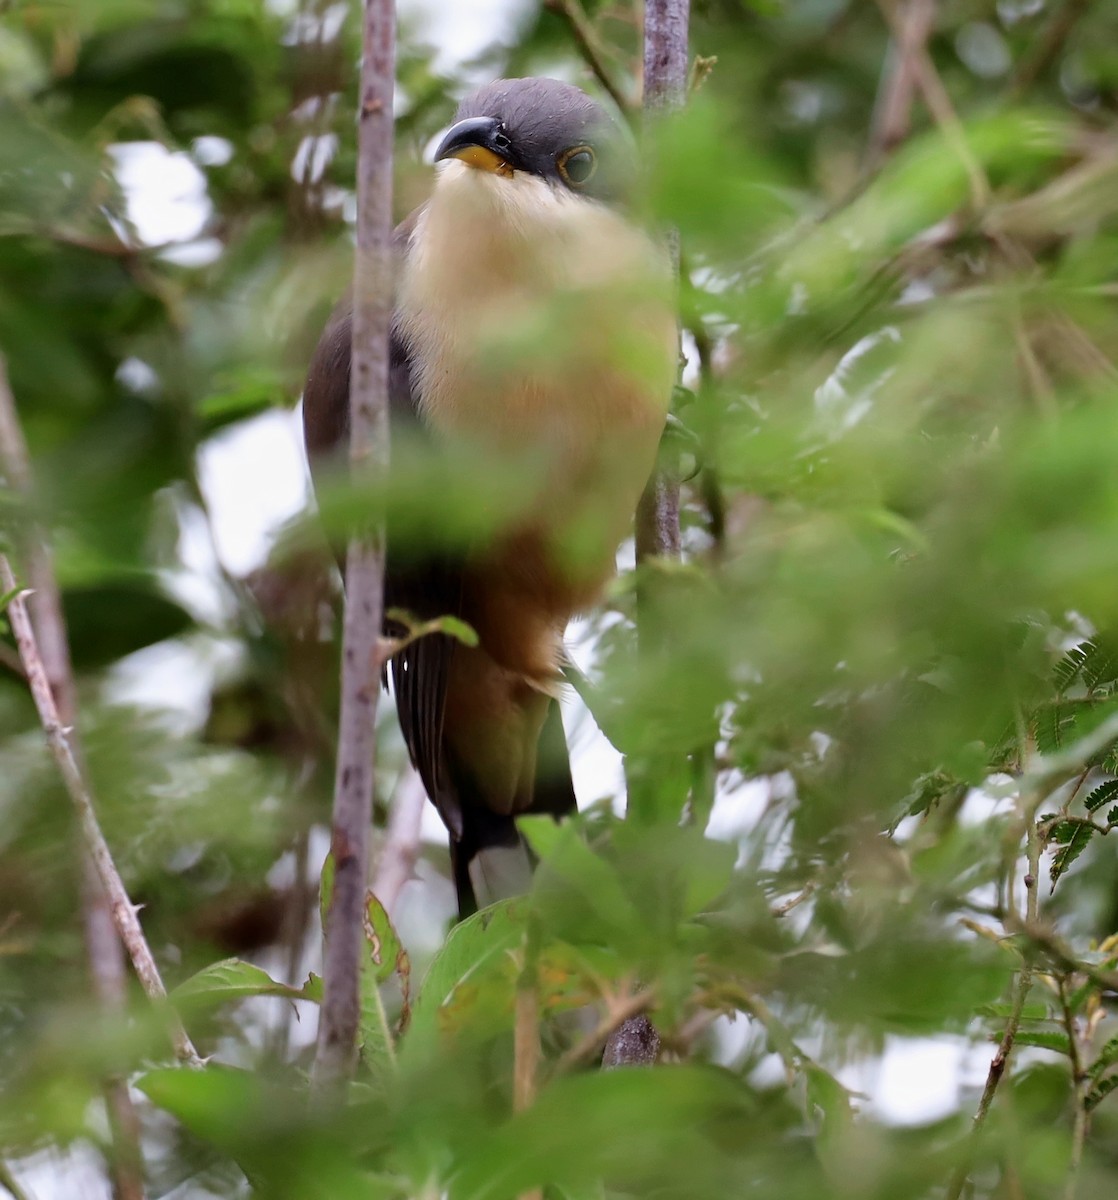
{"type": "Point", "coordinates": [886, 670]}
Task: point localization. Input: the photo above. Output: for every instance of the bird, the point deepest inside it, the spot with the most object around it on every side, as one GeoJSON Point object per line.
{"type": "Point", "coordinates": [533, 315]}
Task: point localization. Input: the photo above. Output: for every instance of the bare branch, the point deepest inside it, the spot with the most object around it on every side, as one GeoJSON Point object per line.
{"type": "Point", "coordinates": [58, 739]}
{"type": "Point", "coordinates": [664, 88]}
{"type": "Point", "coordinates": [1079, 1080]}
{"type": "Point", "coordinates": [892, 116]}
{"type": "Point", "coordinates": [400, 852]}
{"type": "Point", "coordinates": [336, 1052]}
{"type": "Point", "coordinates": [942, 110]}
{"type": "Point", "coordinates": [103, 935]}
{"type": "Point", "coordinates": [586, 37]}
{"type": "Point", "coordinates": [10, 1184]}
{"type": "Point", "coordinates": [1005, 1047]}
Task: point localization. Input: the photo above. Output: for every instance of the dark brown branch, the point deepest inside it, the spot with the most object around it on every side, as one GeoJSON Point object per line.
{"type": "Point", "coordinates": [336, 1053]}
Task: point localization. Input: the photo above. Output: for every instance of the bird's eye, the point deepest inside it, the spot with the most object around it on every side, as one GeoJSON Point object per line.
{"type": "Point", "coordinates": [577, 165]}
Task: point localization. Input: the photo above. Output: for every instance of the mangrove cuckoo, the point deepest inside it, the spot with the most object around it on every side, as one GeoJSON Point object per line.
{"type": "Point", "coordinates": [532, 318]}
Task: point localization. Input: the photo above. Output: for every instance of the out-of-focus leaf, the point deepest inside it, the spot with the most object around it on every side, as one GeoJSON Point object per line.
{"type": "Point", "coordinates": [99, 635]}
{"type": "Point", "coordinates": [1044, 1041]}
{"type": "Point", "coordinates": [475, 950]}
{"type": "Point", "coordinates": [234, 979]}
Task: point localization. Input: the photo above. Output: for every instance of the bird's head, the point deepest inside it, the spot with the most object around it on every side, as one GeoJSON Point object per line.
{"type": "Point", "coordinates": [546, 131]}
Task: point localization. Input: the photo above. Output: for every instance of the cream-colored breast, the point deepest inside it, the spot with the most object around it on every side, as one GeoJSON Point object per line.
{"type": "Point", "coordinates": [534, 316]}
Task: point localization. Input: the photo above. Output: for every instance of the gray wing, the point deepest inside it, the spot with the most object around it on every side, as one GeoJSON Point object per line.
{"type": "Point", "coordinates": [418, 579]}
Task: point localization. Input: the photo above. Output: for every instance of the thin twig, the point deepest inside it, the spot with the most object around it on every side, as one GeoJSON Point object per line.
{"type": "Point", "coordinates": [892, 115]}
{"type": "Point", "coordinates": [1079, 1080]}
{"type": "Point", "coordinates": [336, 1051]}
{"type": "Point", "coordinates": [10, 1184]}
{"type": "Point", "coordinates": [45, 642]}
{"type": "Point", "coordinates": [1047, 49]}
{"type": "Point", "coordinates": [1013, 1023]}
{"type": "Point", "coordinates": [942, 111]}
{"type": "Point", "coordinates": [526, 1032]}
{"type": "Point", "coordinates": [664, 90]}
{"type": "Point", "coordinates": [58, 739]}
{"type": "Point", "coordinates": [103, 945]}
{"type": "Point", "coordinates": [586, 37]}
{"type": "Point", "coordinates": [400, 851]}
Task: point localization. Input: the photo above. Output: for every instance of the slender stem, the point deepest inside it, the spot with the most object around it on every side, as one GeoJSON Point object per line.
{"type": "Point", "coordinates": [336, 1051]}
{"type": "Point", "coordinates": [10, 1184]}
{"type": "Point", "coordinates": [526, 1039]}
{"type": "Point", "coordinates": [1009, 1036]}
{"type": "Point", "coordinates": [586, 37]}
{"type": "Point", "coordinates": [1079, 1093]}
{"type": "Point", "coordinates": [657, 522]}
{"type": "Point", "coordinates": [401, 840]}
{"type": "Point", "coordinates": [892, 116]}
{"type": "Point", "coordinates": [103, 945]}
{"type": "Point", "coordinates": [58, 739]}
{"type": "Point", "coordinates": [942, 110]}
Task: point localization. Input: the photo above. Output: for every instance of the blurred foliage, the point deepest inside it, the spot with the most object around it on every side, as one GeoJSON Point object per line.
{"type": "Point", "coordinates": [887, 666]}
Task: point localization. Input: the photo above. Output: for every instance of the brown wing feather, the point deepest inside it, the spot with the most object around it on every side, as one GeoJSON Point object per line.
{"type": "Point", "coordinates": [426, 587]}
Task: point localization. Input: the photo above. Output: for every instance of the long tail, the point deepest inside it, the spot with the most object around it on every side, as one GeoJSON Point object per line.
{"type": "Point", "coordinates": [491, 860]}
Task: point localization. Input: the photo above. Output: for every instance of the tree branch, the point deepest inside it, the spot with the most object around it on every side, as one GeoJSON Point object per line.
{"type": "Point", "coordinates": [401, 840]}
{"type": "Point", "coordinates": [635, 1041]}
{"type": "Point", "coordinates": [102, 937]}
{"type": "Point", "coordinates": [1005, 1047]}
{"type": "Point", "coordinates": [1078, 1079]}
{"type": "Point", "coordinates": [586, 37]}
{"type": "Point", "coordinates": [123, 910]}
{"type": "Point", "coordinates": [942, 110]}
{"type": "Point", "coordinates": [892, 115]}
{"type": "Point", "coordinates": [336, 1052]}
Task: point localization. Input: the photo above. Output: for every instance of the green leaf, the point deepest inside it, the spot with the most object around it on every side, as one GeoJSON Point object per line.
{"type": "Point", "coordinates": [1067, 670]}
{"type": "Point", "coordinates": [1106, 1056]}
{"type": "Point", "coordinates": [97, 633]}
{"type": "Point", "coordinates": [1075, 844]}
{"type": "Point", "coordinates": [1045, 1041]}
{"type": "Point", "coordinates": [1100, 1092]}
{"type": "Point", "coordinates": [233, 979]}
{"type": "Point", "coordinates": [474, 951]}
{"type": "Point", "coordinates": [643, 1132]}
{"type": "Point", "coordinates": [456, 628]}
{"type": "Point", "coordinates": [326, 887]}
{"type": "Point", "coordinates": [1100, 795]}
{"type": "Point", "coordinates": [386, 956]}
{"type": "Point", "coordinates": [1001, 1012]}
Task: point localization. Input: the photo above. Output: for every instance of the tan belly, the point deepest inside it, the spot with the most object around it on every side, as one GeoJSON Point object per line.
{"type": "Point", "coordinates": [544, 333]}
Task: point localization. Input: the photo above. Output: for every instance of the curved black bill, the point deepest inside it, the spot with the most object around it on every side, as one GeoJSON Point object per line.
{"type": "Point", "coordinates": [479, 142]}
